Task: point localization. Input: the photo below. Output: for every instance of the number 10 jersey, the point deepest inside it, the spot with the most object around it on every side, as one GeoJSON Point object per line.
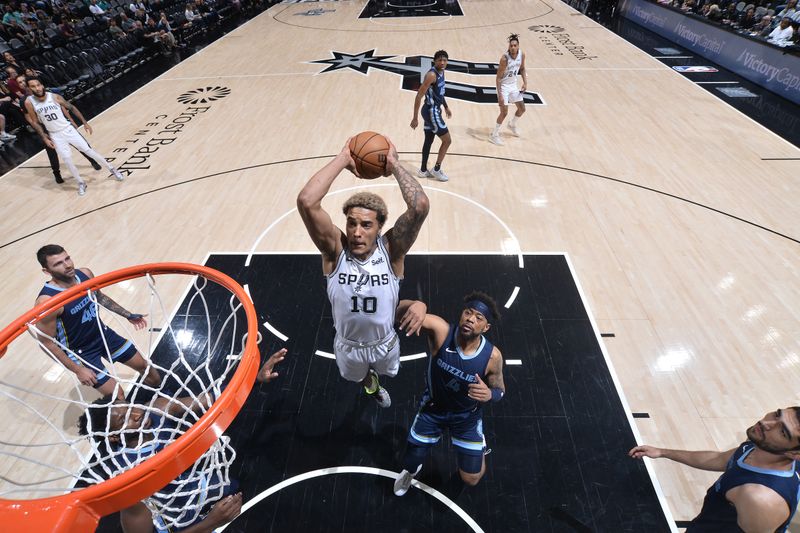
{"type": "Point", "coordinates": [364, 296]}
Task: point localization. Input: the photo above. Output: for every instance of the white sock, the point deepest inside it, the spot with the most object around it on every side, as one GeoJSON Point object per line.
{"type": "Point", "coordinates": [496, 129]}
{"type": "Point", "coordinates": [513, 121]}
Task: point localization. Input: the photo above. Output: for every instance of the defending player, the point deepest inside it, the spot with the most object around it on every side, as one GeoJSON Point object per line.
{"type": "Point", "coordinates": [61, 133]}
{"type": "Point", "coordinates": [512, 63]}
{"type": "Point", "coordinates": [465, 372]}
{"type": "Point", "coordinates": [77, 327]}
{"type": "Point", "coordinates": [758, 490]}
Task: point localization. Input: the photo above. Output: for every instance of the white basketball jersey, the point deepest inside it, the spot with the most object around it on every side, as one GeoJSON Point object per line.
{"type": "Point", "coordinates": [512, 69]}
{"type": "Point", "coordinates": [364, 296]}
{"type": "Point", "coordinates": [50, 113]}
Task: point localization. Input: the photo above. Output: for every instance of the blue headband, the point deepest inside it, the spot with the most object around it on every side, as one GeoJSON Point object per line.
{"type": "Point", "coordinates": [482, 308]}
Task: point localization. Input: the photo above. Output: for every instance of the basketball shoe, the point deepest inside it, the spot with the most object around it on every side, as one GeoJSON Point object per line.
{"type": "Point", "coordinates": [403, 481]}
{"type": "Point", "coordinates": [380, 395]}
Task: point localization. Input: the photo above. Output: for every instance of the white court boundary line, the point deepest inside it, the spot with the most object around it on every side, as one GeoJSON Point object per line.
{"type": "Point", "coordinates": [626, 407]}
{"type": "Point", "coordinates": [359, 470]}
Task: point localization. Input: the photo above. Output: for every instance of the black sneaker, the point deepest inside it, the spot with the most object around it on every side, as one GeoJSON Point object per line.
{"type": "Point", "coordinates": [58, 178]}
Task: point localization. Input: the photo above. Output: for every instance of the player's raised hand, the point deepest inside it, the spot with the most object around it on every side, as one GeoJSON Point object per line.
{"type": "Point", "coordinates": [266, 374]}
{"type": "Point", "coordinates": [224, 511]}
{"type": "Point", "coordinates": [347, 158]}
{"type": "Point", "coordinates": [645, 451]}
{"type": "Point", "coordinates": [412, 319]}
{"type": "Point", "coordinates": [479, 391]}
{"type": "Point", "coordinates": [138, 321]}
{"type": "Point", "coordinates": [392, 159]}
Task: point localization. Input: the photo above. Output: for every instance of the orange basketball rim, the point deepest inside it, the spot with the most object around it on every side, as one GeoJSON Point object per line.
{"type": "Point", "coordinates": [81, 510]}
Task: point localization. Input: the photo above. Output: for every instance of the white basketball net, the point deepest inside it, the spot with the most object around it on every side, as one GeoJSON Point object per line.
{"type": "Point", "coordinates": [196, 352]}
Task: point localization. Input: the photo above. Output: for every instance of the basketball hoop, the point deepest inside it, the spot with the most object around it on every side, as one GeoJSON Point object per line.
{"type": "Point", "coordinates": [224, 373]}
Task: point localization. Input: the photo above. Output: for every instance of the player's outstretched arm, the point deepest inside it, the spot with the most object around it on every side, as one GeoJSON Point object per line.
{"type": "Point", "coordinates": [267, 372]}
{"type": "Point", "coordinates": [402, 236]}
{"type": "Point", "coordinates": [703, 460]}
{"type": "Point", "coordinates": [410, 316]}
{"type": "Point", "coordinates": [326, 236]}
{"type": "Point", "coordinates": [70, 109]}
{"type": "Point", "coordinates": [138, 321]}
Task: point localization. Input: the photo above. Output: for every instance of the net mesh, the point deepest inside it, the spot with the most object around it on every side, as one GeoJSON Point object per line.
{"type": "Point", "coordinates": [194, 350]}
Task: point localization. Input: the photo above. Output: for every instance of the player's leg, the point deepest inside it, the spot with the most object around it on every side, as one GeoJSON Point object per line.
{"type": "Point", "coordinates": [121, 350]}
{"type": "Point", "coordinates": [424, 433]}
{"type": "Point", "coordinates": [430, 134]}
{"type": "Point", "coordinates": [495, 135]}
{"type": "Point", "coordinates": [77, 140]}
{"type": "Point", "coordinates": [106, 384]}
{"type": "Point", "coordinates": [95, 164]}
{"type": "Point", "coordinates": [466, 435]}
{"type": "Point", "coordinates": [440, 129]}
{"type": "Point", "coordinates": [426, 152]}
{"type": "Point", "coordinates": [471, 467]}
{"type": "Point", "coordinates": [65, 152]}
{"type": "Point", "coordinates": [55, 164]}
{"type": "Point", "coordinates": [137, 362]}
{"type": "Point", "coordinates": [355, 365]}
{"type": "Point", "coordinates": [384, 360]}
{"type": "Point", "coordinates": [512, 124]}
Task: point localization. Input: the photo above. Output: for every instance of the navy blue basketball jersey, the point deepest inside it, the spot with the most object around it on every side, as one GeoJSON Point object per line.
{"type": "Point", "coordinates": [434, 96]}
{"type": "Point", "coordinates": [719, 515]}
{"type": "Point", "coordinates": [450, 373]}
{"type": "Point", "coordinates": [77, 326]}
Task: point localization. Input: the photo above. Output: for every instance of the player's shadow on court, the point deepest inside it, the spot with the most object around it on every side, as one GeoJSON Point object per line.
{"type": "Point", "coordinates": [481, 134]}
{"type": "Point", "coordinates": [290, 442]}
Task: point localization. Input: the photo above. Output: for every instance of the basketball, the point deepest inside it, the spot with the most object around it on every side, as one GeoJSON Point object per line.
{"type": "Point", "coordinates": [370, 151]}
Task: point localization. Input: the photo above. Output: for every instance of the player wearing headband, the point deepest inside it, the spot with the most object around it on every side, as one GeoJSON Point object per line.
{"type": "Point", "coordinates": [464, 372]}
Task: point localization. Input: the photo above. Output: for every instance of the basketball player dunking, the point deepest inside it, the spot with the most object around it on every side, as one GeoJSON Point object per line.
{"type": "Point", "coordinates": [75, 327]}
{"type": "Point", "coordinates": [364, 268]}
{"type": "Point", "coordinates": [511, 64]}
{"type": "Point", "coordinates": [61, 133]}
{"type": "Point", "coordinates": [432, 90]}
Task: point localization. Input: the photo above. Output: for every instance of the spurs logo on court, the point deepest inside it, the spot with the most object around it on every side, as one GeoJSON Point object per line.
{"type": "Point", "coordinates": [413, 71]}
{"type": "Point", "coordinates": [203, 95]}
{"type": "Point", "coordinates": [546, 28]}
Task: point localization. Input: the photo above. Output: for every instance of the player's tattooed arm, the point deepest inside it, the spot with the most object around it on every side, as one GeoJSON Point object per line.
{"type": "Point", "coordinates": [112, 306]}
{"type": "Point", "coordinates": [407, 227]}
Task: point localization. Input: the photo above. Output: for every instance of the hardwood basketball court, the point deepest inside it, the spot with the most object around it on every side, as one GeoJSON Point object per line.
{"type": "Point", "coordinates": [677, 213]}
